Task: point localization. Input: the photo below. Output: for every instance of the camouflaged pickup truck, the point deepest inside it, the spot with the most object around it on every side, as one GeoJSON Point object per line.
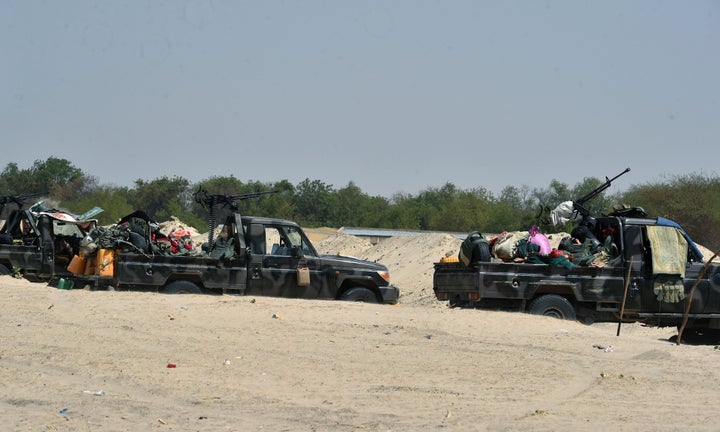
{"type": "Point", "coordinates": [252, 256]}
{"type": "Point", "coordinates": [658, 275]}
{"type": "Point", "coordinates": [263, 257]}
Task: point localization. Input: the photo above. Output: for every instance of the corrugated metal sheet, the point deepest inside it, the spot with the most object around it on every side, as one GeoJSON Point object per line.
{"type": "Point", "coordinates": [381, 233]}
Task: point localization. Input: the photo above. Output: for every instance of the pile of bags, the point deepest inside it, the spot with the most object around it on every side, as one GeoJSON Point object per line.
{"type": "Point", "coordinates": [138, 233]}
{"type": "Point", "coordinates": [135, 233]}
{"type": "Point", "coordinates": [534, 247]}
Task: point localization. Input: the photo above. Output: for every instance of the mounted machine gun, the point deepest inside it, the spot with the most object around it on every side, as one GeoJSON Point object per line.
{"type": "Point", "coordinates": [19, 200]}
{"type": "Point", "coordinates": [576, 210]}
{"type": "Point", "coordinates": [579, 208]}
{"type": "Point", "coordinates": [12, 224]}
{"type": "Point", "coordinates": [211, 202]}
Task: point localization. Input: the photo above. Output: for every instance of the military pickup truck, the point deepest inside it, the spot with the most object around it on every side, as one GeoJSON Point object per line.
{"type": "Point", "coordinates": [657, 278]}
{"type": "Point", "coordinates": [260, 256]}
{"type": "Point", "coordinates": [40, 242]}
{"type": "Point", "coordinates": [251, 256]}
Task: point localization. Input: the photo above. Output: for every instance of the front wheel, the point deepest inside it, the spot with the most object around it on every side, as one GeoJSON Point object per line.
{"type": "Point", "coordinates": [182, 287]}
{"type": "Point", "coordinates": [5, 270]}
{"type": "Point", "coordinates": [553, 305]}
{"type": "Point", "coordinates": [359, 294]}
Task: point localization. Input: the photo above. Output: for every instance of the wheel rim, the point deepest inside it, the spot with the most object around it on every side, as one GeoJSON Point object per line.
{"type": "Point", "coordinates": [555, 313]}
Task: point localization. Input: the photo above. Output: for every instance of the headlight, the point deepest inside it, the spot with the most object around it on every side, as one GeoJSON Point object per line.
{"type": "Point", "coordinates": [385, 275]}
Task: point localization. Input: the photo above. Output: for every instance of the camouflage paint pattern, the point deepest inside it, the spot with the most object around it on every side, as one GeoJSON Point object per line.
{"type": "Point", "coordinates": [254, 274]}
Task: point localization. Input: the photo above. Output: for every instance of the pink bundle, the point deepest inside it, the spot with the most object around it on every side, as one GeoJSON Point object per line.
{"type": "Point", "coordinates": [538, 238]}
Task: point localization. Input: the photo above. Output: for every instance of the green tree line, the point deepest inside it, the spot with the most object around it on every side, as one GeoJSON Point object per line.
{"type": "Point", "coordinates": [692, 200]}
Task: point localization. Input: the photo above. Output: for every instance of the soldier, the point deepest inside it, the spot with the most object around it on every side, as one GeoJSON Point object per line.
{"type": "Point", "coordinates": [224, 245]}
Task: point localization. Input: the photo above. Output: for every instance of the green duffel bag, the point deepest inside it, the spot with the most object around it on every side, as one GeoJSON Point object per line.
{"type": "Point", "coordinates": [474, 248]}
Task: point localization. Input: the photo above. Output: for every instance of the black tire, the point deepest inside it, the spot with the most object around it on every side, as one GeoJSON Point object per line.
{"type": "Point", "coordinates": [483, 251]}
{"type": "Point", "coordinates": [455, 302]}
{"type": "Point", "coordinates": [181, 287]}
{"type": "Point", "coordinates": [359, 294]}
{"type": "Point", "coordinates": [475, 248]}
{"type": "Point", "coordinates": [699, 336]}
{"type": "Point", "coordinates": [587, 319]}
{"type": "Point", "coordinates": [5, 270]}
{"type": "Point", "coordinates": [553, 305]}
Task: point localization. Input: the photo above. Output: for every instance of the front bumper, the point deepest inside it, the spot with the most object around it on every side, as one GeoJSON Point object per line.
{"type": "Point", "coordinates": [390, 294]}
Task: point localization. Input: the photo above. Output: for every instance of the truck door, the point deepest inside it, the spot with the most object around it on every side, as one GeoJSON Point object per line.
{"type": "Point", "coordinates": [634, 255]}
{"type": "Point", "coordinates": [256, 246]}
{"type": "Point", "coordinates": [230, 248]}
{"type": "Point", "coordinates": [283, 246]}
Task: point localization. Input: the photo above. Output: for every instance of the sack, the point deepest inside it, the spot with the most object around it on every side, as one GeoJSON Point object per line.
{"type": "Point", "coordinates": [223, 249]}
{"type": "Point", "coordinates": [139, 222]}
{"type": "Point", "coordinates": [303, 273]}
{"type": "Point", "coordinates": [526, 250]}
{"type": "Point", "coordinates": [506, 244]}
{"type": "Point", "coordinates": [563, 213]}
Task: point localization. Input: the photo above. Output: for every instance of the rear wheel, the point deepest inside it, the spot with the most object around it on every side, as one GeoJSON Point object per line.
{"type": "Point", "coordinates": [5, 270]}
{"type": "Point", "coordinates": [699, 336]}
{"type": "Point", "coordinates": [553, 305]}
{"type": "Point", "coordinates": [182, 287]}
{"type": "Point", "coordinates": [359, 294]}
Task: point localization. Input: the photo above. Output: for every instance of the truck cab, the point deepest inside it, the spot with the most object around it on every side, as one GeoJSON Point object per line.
{"type": "Point", "coordinates": [278, 248]}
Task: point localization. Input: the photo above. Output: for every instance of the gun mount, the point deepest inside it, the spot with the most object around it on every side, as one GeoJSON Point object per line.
{"type": "Point", "coordinates": [211, 202]}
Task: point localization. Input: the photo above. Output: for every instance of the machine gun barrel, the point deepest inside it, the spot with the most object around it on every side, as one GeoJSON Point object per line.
{"type": "Point", "coordinates": [579, 204]}
{"type": "Point", "coordinates": [205, 200]}
{"type": "Point", "coordinates": [18, 199]}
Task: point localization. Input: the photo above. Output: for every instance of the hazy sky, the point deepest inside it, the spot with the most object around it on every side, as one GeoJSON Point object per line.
{"type": "Point", "coordinates": [395, 96]}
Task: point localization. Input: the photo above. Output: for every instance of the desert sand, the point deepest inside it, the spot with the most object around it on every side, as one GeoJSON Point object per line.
{"type": "Point", "coordinates": [131, 361]}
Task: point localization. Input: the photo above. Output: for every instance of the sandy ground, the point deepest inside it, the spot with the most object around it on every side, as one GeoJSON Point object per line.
{"type": "Point", "coordinates": [88, 361]}
{"type": "Point", "coordinates": [100, 361]}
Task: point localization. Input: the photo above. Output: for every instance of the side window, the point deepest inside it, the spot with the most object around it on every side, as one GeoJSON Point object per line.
{"type": "Point", "coordinates": [282, 240]}
{"type": "Point", "coordinates": [635, 246]}
{"type": "Point", "coordinates": [279, 240]}
{"type": "Point", "coordinates": [294, 236]}
{"type": "Point", "coordinates": [296, 239]}
{"type": "Point", "coordinates": [276, 243]}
